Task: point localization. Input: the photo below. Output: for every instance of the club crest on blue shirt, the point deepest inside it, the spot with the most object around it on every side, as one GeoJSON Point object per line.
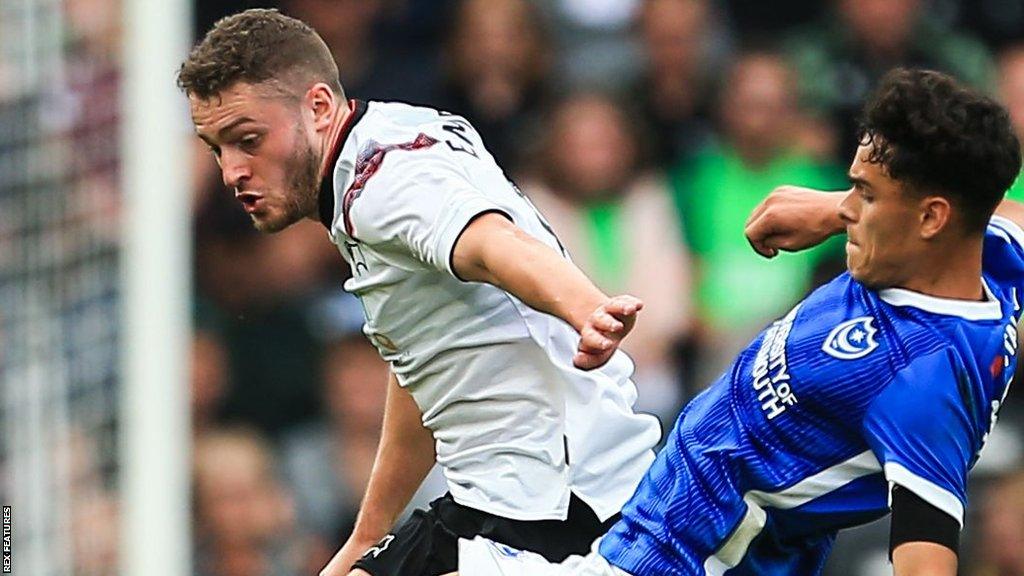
{"type": "Point", "coordinates": [852, 339]}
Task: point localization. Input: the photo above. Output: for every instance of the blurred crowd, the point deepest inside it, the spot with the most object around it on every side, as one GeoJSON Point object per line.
{"type": "Point", "coordinates": [645, 131]}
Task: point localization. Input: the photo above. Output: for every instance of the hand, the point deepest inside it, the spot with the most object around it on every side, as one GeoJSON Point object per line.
{"type": "Point", "coordinates": [793, 219]}
{"type": "Point", "coordinates": [604, 329]}
{"type": "Point", "coordinates": [341, 564]}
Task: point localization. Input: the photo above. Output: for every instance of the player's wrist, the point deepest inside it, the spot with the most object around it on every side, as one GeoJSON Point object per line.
{"type": "Point", "coordinates": [835, 221]}
{"type": "Point", "coordinates": [581, 313]}
{"type": "Point", "coordinates": [367, 535]}
{"type": "Point", "coordinates": [371, 526]}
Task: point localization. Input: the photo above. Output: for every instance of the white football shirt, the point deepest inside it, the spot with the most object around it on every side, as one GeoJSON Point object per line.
{"type": "Point", "coordinates": [517, 427]}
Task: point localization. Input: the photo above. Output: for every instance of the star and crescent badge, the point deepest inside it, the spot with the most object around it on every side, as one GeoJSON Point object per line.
{"type": "Point", "coordinates": [852, 339]}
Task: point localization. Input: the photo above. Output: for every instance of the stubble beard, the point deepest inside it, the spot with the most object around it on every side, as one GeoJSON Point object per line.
{"type": "Point", "coordinates": [301, 196]}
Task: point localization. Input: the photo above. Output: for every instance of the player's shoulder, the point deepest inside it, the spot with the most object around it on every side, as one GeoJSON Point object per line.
{"type": "Point", "coordinates": [954, 341]}
{"type": "Point", "coordinates": [1006, 229]}
{"type": "Point", "coordinates": [398, 113]}
{"type": "Point", "coordinates": [1004, 245]}
{"type": "Point", "coordinates": [945, 330]}
{"type": "Point", "coordinates": [434, 135]}
{"type": "Point", "coordinates": [1003, 257]}
{"type": "Point", "coordinates": [390, 124]}
{"type": "Point", "coordinates": [400, 118]}
{"type": "Point", "coordinates": [874, 328]}
{"type": "Point", "coordinates": [397, 130]}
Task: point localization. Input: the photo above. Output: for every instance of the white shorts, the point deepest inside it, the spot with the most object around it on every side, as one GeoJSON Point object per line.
{"type": "Point", "coordinates": [482, 557]}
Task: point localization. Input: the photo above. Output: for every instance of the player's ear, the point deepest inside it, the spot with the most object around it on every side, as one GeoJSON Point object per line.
{"type": "Point", "coordinates": [934, 216]}
{"type": "Point", "coordinates": [321, 101]}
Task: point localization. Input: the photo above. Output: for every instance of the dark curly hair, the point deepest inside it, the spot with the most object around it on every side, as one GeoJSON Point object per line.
{"type": "Point", "coordinates": [935, 136]}
{"type": "Point", "coordinates": [259, 46]}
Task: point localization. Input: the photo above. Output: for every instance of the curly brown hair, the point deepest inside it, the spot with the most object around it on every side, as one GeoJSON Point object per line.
{"type": "Point", "coordinates": [938, 137]}
{"type": "Point", "coordinates": [259, 46]}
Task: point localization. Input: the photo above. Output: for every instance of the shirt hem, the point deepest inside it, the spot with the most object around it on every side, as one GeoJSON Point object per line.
{"type": "Point", "coordinates": [928, 491]}
{"type": "Point", "coordinates": [509, 513]}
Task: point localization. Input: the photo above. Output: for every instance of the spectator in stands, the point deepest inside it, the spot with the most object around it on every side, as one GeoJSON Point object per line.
{"type": "Point", "coordinates": [245, 516]}
{"type": "Point", "coordinates": [999, 23]}
{"type": "Point", "coordinates": [91, 107]}
{"type": "Point", "coordinates": [595, 46]}
{"type": "Point", "coordinates": [1001, 550]}
{"type": "Point", "coordinates": [93, 506]}
{"type": "Point", "coordinates": [210, 380]}
{"type": "Point", "coordinates": [327, 463]}
{"type": "Point", "coordinates": [760, 19]}
{"type": "Point", "coordinates": [417, 25]}
{"type": "Point", "coordinates": [258, 290]}
{"type": "Point", "coordinates": [370, 69]}
{"type": "Point", "coordinates": [1006, 443]}
{"type": "Point", "coordinates": [95, 523]}
{"type": "Point", "coordinates": [617, 222]}
{"type": "Point", "coordinates": [841, 58]}
{"type": "Point", "coordinates": [738, 291]}
{"type": "Point", "coordinates": [1011, 89]}
{"type": "Point", "coordinates": [497, 62]}
{"type": "Point", "coordinates": [677, 37]}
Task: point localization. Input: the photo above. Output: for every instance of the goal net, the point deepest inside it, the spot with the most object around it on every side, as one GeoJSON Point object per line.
{"type": "Point", "coordinates": [62, 288]}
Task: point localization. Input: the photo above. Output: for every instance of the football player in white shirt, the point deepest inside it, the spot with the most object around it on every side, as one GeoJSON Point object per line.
{"type": "Point", "coordinates": [503, 354]}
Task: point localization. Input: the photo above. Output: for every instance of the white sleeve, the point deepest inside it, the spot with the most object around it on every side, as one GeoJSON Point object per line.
{"type": "Point", "coordinates": [421, 201]}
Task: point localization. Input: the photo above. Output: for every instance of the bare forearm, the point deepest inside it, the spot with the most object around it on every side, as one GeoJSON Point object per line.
{"type": "Point", "coordinates": [531, 271]}
{"type": "Point", "coordinates": [546, 281]}
{"type": "Point", "coordinates": [792, 218]}
{"type": "Point", "coordinates": [493, 250]}
{"type": "Point", "coordinates": [404, 458]}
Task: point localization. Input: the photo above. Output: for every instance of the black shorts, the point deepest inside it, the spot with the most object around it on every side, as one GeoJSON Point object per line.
{"type": "Point", "coordinates": [427, 544]}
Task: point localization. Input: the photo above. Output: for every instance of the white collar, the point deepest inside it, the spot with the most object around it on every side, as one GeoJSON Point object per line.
{"type": "Point", "coordinates": [967, 309]}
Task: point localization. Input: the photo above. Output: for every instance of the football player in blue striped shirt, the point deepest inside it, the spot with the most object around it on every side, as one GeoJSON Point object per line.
{"type": "Point", "coordinates": [875, 394]}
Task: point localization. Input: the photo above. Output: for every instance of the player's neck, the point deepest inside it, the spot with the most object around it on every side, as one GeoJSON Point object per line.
{"type": "Point", "coordinates": [324, 205]}
{"type": "Point", "coordinates": [329, 143]}
{"type": "Point", "coordinates": [954, 273]}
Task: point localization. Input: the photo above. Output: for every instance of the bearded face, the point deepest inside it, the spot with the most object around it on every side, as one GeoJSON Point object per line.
{"type": "Point", "coordinates": [263, 151]}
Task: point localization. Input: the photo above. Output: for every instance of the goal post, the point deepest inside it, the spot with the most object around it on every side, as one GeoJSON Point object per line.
{"type": "Point", "coordinates": [156, 285]}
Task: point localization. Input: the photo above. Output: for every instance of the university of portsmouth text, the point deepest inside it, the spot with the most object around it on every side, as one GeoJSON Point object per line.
{"type": "Point", "coordinates": [771, 374]}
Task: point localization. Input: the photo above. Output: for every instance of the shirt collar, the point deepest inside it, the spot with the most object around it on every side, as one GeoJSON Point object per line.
{"type": "Point", "coordinates": [357, 109]}
{"type": "Point", "coordinates": [989, 309]}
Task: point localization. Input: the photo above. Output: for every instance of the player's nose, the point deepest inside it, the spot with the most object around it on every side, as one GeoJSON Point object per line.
{"type": "Point", "coordinates": [847, 213]}
{"type": "Point", "coordinates": [234, 171]}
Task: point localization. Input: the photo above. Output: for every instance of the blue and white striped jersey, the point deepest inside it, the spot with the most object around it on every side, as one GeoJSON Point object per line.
{"type": "Point", "coordinates": [851, 391]}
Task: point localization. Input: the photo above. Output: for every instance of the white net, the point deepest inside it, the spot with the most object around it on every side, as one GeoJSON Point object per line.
{"type": "Point", "coordinates": [59, 292]}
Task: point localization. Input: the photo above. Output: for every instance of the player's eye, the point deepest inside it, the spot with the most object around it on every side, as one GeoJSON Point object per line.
{"type": "Point", "coordinates": [861, 191]}
{"type": "Point", "coordinates": [249, 142]}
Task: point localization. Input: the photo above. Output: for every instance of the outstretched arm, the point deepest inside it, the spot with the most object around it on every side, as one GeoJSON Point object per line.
{"type": "Point", "coordinates": [793, 218]}
{"type": "Point", "coordinates": [494, 250]}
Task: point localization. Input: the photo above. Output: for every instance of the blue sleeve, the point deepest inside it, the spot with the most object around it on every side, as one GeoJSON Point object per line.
{"type": "Point", "coordinates": [1003, 256]}
{"type": "Point", "coordinates": [921, 432]}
